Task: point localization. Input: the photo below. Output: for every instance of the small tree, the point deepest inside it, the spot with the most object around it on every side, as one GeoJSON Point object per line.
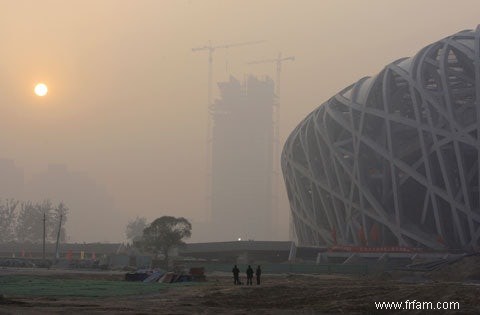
{"type": "Point", "coordinates": [30, 221]}
{"type": "Point", "coordinates": [163, 234]}
{"type": "Point", "coordinates": [134, 229]}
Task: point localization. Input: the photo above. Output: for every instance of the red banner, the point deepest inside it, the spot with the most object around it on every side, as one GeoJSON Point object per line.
{"type": "Point", "coordinates": [381, 249]}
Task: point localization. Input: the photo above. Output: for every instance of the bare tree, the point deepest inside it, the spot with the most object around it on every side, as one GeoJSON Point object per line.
{"type": "Point", "coordinates": [8, 217]}
{"type": "Point", "coordinates": [30, 221]}
{"type": "Point", "coordinates": [58, 213]}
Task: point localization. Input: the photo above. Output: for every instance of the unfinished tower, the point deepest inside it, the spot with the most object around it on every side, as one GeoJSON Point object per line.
{"type": "Point", "coordinates": [242, 148]}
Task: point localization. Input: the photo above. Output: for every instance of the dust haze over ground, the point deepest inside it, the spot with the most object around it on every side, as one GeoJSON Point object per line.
{"type": "Point", "coordinates": [126, 109]}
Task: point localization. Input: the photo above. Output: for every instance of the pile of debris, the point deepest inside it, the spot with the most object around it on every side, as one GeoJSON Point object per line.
{"type": "Point", "coordinates": [158, 275]}
{"type": "Point", "coordinates": [139, 275]}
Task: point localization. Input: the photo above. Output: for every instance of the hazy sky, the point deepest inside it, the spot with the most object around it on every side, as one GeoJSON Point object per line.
{"type": "Point", "coordinates": [127, 99]}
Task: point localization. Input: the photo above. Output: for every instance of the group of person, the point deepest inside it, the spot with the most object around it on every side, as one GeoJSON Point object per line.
{"type": "Point", "coordinates": [249, 272]}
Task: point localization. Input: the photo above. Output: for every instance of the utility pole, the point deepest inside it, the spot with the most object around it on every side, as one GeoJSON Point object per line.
{"type": "Point", "coordinates": [276, 131]}
{"type": "Point", "coordinates": [210, 48]}
{"type": "Point", "coordinates": [44, 236]}
{"type": "Point", "coordinates": [57, 255]}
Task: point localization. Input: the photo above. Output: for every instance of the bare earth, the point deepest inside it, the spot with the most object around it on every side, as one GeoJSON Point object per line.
{"type": "Point", "coordinates": [278, 294]}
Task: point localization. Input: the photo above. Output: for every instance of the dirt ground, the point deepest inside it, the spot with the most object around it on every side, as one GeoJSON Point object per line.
{"type": "Point", "coordinates": [278, 294]}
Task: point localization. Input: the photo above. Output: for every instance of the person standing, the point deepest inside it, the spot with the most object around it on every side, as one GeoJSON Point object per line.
{"type": "Point", "coordinates": [249, 275]}
{"type": "Point", "coordinates": [258, 273]}
{"type": "Point", "coordinates": [236, 272]}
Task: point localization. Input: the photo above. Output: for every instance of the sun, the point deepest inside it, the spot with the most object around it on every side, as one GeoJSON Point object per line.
{"type": "Point", "coordinates": [41, 89]}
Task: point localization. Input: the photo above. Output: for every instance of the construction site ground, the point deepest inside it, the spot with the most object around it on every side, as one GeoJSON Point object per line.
{"type": "Point", "coordinates": [33, 291]}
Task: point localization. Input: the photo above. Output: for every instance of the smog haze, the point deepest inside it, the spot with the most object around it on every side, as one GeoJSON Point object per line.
{"type": "Point", "coordinates": [123, 124]}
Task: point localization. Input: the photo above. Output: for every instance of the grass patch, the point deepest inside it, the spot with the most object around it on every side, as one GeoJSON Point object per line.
{"type": "Point", "coordinates": [20, 285]}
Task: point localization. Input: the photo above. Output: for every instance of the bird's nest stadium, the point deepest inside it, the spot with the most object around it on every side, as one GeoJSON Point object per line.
{"type": "Point", "coordinates": [393, 160]}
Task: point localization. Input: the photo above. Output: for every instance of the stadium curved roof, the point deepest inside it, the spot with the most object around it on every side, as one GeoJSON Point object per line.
{"type": "Point", "coordinates": [394, 159]}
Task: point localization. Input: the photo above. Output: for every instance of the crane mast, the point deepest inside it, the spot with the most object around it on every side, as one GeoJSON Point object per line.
{"type": "Point", "coordinates": [276, 131]}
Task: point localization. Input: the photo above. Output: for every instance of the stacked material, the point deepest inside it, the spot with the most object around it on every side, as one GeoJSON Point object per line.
{"type": "Point", "coordinates": [171, 277]}
{"type": "Point", "coordinates": [198, 274]}
{"type": "Point", "coordinates": [149, 276]}
{"type": "Point", "coordinates": [155, 276]}
{"type": "Point", "coordinates": [140, 275]}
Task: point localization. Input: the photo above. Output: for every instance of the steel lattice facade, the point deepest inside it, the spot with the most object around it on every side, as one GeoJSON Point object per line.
{"type": "Point", "coordinates": [394, 159]}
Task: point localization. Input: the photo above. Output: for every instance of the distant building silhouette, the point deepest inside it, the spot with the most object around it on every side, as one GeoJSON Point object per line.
{"type": "Point", "coordinates": [92, 216]}
{"type": "Point", "coordinates": [242, 159]}
{"type": "Point", "coordinates": [11, 180]}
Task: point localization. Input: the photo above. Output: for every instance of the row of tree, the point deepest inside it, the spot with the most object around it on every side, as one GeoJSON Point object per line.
{"type": "Point", "coordinates": [23, 221]}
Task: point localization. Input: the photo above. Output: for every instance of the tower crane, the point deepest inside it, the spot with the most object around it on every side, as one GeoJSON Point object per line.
{"type": "Point", "coordinates": [276, 130]}
{"type": "Point", "coordinates": [211, 49]}
{"type": "Point", "coordinates": [278, 68]}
